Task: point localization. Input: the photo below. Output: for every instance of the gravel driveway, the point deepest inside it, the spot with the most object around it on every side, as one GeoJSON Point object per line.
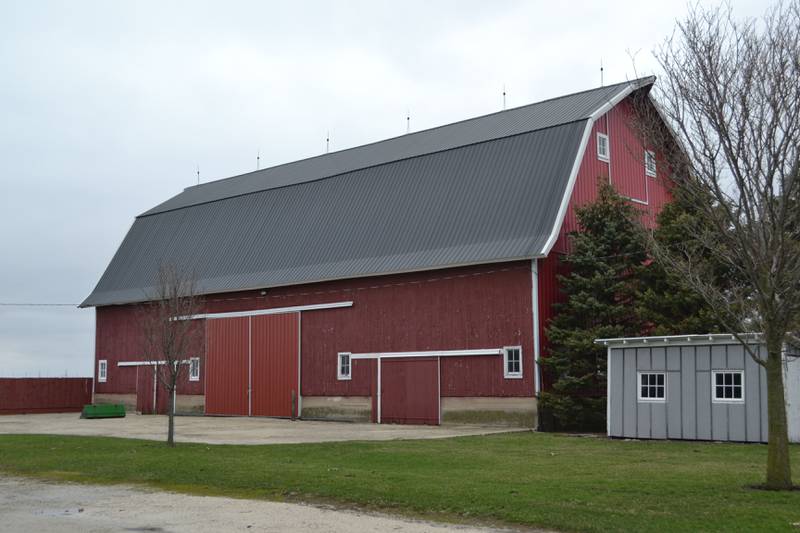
{"type": "Point", "coordinates": [31, 505]}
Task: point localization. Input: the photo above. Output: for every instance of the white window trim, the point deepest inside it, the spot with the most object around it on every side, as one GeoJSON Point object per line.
{"type": "Point", "coordinates": [339, 375]}
{"type": "Point", "coordinates": [647, 155]}
{"type": "Point", "coordinates": [191, 362]}
{"type": "Point", "coordinates": [639, 386]}
{"type": "Point", "coordinates": [714, 398]}
{"type": "Point", "coordinates": [102, 370]}
{"type": "Point", "coordinates": [607, 156]}
{"type": "Point", "coordinates": [506, 373]}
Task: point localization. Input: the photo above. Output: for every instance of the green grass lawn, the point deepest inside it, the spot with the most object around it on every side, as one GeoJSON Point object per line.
{"type": "Point", "coordinates": [533, 479]}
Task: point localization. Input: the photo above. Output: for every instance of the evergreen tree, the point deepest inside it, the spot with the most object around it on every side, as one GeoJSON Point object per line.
{"type": "Point", "coordinates": [601, 290]}
{"type": "Point", "coordinates": [667, 305]}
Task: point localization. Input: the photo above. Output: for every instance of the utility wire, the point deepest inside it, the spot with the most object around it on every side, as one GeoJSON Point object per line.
{"type": "Point", "coordinates": [26, 304]}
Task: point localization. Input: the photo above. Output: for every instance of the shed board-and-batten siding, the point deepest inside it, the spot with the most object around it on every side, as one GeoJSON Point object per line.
{"type": "Point", "coordinates": [689, 410]}
{"type": "Point", "coordinates": [793, 398]}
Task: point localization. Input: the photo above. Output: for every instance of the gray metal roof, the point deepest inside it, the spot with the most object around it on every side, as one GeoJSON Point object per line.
{"type": "Point", "coordinates": [481, 190]}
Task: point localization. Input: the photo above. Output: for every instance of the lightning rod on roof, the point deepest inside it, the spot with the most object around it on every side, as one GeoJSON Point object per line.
{"type": "Point", "coordinates": [198, 173]}
{"type": "Point", "coordinates": [258, 160]}
{"type": "Point", "coordinates": [408, 121]}
{"type": "Point", "coordinates": [601, 72]}
{"type": "Point", "coordinates": [504, 97]}
{"type": "Point", "coordinates": [327, 142]}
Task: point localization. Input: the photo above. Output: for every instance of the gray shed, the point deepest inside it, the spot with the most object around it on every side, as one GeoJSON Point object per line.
{"type": "Point", "coordinates": [694, 387]}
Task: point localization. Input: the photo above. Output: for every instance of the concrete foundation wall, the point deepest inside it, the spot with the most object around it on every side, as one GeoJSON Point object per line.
{"type": "Point", "coordinates": [516, 412]}
{"type": "Point", "coordinates": [190, 404]}
{"type": "Point", "coordinates": [128, 400]}
{"type": "Point", "coordinates": [184, 403]}
{"type": "Point", "coordinates": [351, 408]}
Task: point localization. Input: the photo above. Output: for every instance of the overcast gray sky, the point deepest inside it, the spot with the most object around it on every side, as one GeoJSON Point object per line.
{"type": "Point", "coordinates": [106, 108]}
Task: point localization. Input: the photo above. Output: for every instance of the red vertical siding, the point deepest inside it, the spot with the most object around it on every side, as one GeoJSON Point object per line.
{"type": "Point", "coordinates": [274, 364]}
{"type": "Point", "coordinates": [118, 339]}
{"type": "Point", "coordinates": [410, 391]}
{"type": "Point", "coordinates": [44, 395]}
{"type": "Point", "coordinates": [626, 168]}
{"type": "Point", "coordinates": [486, 306]}
{"type": "Point", "coordinates": [227, 366]}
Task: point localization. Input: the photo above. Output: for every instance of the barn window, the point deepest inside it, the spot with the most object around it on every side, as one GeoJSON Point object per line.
{"type": "Point", "coordinates": [194, 369]}
{"type": "Point", "coordinates": [728, 385]}
{"type": "Point", "coordinates": [650, 163]}
{"type": "Point", "coordinates": [603, 152]}
{"type": "Point", "coordinates": [102, 370]}
{"type": "Point", "coordinates": [344, 366]}
{"type": "Point", "coordinates": [652, 386]}
{"type": "Point", "coordinates": [512, 362]}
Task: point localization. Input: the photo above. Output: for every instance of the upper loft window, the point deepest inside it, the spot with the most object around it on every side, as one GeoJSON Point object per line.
{"type": "Point", "coordinates": [102, 370]}
{"type": "Point", "coordinates": [728, 385]}
{"type": "Point", "coordinates": [650, 163]}
{"type": "Point", "coordinates": [512, 362]}
{"type": "Point", "coordinates": [603, 151]}
{"type": "Point", "coordinates": [194, 369]}
{"type": "Point", "coordinates": [344, 367]}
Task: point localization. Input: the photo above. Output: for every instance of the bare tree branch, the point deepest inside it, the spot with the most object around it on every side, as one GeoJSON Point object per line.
{"type": "Point", "coordinates": [169, 337]}
{"type": "Point", "coordinates": [727, 128]}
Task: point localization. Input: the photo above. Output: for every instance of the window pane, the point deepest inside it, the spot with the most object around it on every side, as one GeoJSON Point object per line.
{"type": "Point", "coordinates": [720, 378]}
{"type": "Point", "coordinates": [660, 379]}
{"type": "Point", "coordinates": [728, 379]}
{"type": "Point", "coordinates": [737, 379]}
{"type": "Point", "coordinates": [719, 392]}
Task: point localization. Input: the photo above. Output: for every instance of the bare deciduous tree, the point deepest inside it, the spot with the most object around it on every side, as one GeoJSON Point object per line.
{"type": "Point", "coordinates": [169, 339]}
{"type": "Point", "coordinates": [730, 94]}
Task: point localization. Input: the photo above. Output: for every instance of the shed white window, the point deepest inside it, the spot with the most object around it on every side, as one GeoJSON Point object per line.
{"type": "Point", "coordinates": [728, 385]}
{"type": "Point", "coordinates": [603, 151]}
{"type": "Point", "coordinates": [344, 367]}
{"type": "Point", "coordinates": [512, 362]}
{"type": "Point", "coordinates": [194, 369]}
{"type": "Point", "coordinates": [652, 387]}
{"type": "Point", "coordinates": [102, 370]}
{"type": "Point", "coordinates": [650, 163]}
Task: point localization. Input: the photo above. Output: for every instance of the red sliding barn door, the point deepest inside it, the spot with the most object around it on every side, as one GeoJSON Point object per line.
{"type": "Point", "coordinates": [274, 371]}
{"type": "Point", "coordinates": [410, 391]}
{"type": "Point", "coordinates": [227, 366]}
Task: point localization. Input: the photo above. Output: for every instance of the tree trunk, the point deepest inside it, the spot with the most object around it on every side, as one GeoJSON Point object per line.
{"type": "Point", "coordinates": [779, 472]}
{"type": "Point", "coordinates": [171, 417]}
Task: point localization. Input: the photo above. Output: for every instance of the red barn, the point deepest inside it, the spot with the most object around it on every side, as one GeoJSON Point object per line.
{"type": "Point", "coordinates": [407, 280]}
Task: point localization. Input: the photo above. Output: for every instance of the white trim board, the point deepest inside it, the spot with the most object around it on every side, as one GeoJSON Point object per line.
{"type": "Point", "coordinates": [676, 340]}
{"type": "Point", "coordinates": [148, 363]}
{"type": "Point", "coordinates": [431, 353]}
{"type": "Point", "coordinates": [270, 311]}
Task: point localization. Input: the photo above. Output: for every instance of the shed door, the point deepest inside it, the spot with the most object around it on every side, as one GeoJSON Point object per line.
{"type": "Point", "coordinates": [227, 366]}
{"type": "Point", "coordinates": [410, 391]}
{"type": "Point", "coordinates": [274, 359]}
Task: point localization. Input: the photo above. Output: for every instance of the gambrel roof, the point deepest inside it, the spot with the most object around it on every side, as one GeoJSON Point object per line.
{"type": "Point", "coordinates": [488, 189]}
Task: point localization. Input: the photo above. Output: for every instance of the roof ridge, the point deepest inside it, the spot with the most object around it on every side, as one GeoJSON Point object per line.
{"type": "Point", "coordinates": [420, 132]}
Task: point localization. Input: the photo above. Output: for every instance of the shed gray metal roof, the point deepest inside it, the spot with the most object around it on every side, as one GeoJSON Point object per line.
{"type": "Point", "coordinates": [481, 190]}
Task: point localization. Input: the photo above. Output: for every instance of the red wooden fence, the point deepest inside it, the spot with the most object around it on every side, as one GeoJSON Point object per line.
{"type": "Point", "coordinates": [44, 395]}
